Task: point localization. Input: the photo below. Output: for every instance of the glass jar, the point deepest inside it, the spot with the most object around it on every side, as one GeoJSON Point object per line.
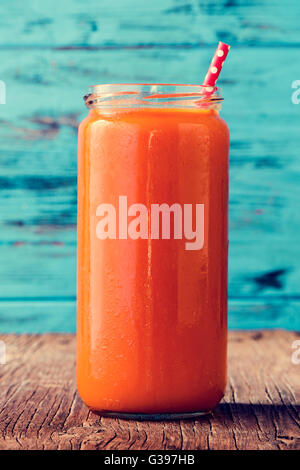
{"type": "Point", "coordinates": [152, 250]}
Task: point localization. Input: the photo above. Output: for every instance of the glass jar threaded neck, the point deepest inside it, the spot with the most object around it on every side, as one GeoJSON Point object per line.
{"type": "Point", "coordinates": [153, 95]}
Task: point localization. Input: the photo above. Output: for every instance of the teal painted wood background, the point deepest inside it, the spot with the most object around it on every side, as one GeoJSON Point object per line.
{"type": "Point", "coordinates": [51, 50]}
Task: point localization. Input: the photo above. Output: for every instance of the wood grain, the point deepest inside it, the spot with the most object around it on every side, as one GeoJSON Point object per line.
{"type": "Point", "coordinates": [40, 409]}
{"type": "Point", "coordinates": [135, 24]}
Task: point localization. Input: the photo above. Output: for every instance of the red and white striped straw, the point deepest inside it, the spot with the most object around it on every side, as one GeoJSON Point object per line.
{"type": "Point", "coordinates": [216, 65]}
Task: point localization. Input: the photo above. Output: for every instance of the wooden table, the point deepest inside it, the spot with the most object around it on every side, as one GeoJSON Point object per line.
{"type": "Point", "coordinates": [40, 408]}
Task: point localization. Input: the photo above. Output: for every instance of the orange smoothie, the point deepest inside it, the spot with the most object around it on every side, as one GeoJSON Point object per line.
{"type": "Point", "coordinates": [152, 299]}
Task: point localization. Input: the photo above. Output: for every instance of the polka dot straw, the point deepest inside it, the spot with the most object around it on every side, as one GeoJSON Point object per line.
{"type": "Point", "coordinates": [216, 65]}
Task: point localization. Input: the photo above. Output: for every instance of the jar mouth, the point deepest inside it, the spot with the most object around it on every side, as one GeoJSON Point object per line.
{"type": "Point", "coordinates": [128, 95]}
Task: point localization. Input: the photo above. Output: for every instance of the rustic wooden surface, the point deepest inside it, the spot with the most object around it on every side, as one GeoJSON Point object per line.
{"type": "Point", "coordinates": [51, 50]}
{"type": "Point", "coordinates": [40, 409]}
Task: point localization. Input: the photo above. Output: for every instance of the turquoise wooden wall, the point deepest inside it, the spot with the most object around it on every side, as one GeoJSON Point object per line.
{"type": "Point", "coordinates": [51, 50]}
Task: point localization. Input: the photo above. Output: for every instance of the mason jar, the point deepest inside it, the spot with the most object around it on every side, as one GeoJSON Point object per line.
{"type": "Point", "coordinates": [152, 250]}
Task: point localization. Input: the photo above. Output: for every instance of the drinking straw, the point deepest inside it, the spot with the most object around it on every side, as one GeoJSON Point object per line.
{"type": "Point", "coordinates": [216, 65]}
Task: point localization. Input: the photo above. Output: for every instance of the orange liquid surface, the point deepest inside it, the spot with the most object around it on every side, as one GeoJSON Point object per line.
{"type": "Point", "coordinates": [152, 316]}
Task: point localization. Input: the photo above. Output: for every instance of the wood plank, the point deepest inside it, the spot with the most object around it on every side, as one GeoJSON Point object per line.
{"type": "Point", "coordinates": [40, 409]}
{"type": "Point", "coordinates": [49, 55]}
{"type": "Point", "coordinates": [38, 162]}
{"type": "Point", "coordinates": [135, 24]}
{"type": "Point", "coordinates": [37, 314]}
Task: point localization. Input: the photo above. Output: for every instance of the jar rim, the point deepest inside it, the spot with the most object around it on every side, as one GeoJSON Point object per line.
{"type": "Point", "coordinates": [193, 85]}
{"type": "Point", "coordinates": [152, 94]}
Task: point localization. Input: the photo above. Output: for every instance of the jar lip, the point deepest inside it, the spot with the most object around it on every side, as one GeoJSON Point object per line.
{"type": "Point", "coordinates": [106, 86]}
{"type": "Point", "coordinates": [152, 94]}
{"type": "Point", "coordinates": [147, 84]}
